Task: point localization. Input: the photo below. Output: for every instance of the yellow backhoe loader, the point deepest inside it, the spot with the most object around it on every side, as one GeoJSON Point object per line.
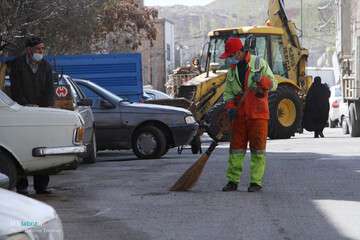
{"type": "Point", "coordinates": [278, 43]}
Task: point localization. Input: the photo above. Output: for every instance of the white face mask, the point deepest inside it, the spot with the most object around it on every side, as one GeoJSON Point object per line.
{"type": "Point", "coordinates": [37, 57]}
{"type": "Point", "coordinates": [232, 61]}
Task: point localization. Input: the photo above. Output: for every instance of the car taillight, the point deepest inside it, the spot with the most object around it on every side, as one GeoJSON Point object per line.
{"type": "Point", "coordinates": [78, 135]}
{"type": "Point", "coordinates": [335, 104]}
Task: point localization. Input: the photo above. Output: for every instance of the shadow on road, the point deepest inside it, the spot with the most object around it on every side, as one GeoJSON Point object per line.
{"type": "Point", "coordinates": [305, 196]}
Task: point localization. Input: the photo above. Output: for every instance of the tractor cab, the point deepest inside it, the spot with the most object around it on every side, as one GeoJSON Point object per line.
{"type": "Point", "coordinates": [265, 42]}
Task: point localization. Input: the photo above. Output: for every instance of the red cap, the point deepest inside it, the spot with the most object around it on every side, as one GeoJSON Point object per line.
{"type": "Point", "coordinates": [232, 46]}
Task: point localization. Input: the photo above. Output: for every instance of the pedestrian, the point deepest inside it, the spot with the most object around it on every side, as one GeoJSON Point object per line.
{"type": "Point", "coordinates": [316, 111]}
{"type": "Point", "coordinates": [32, 85]}
{"type": "Point", "coordinates": [248, 82]}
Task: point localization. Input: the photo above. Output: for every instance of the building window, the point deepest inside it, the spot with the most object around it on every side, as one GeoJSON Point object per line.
{"type": "Point", "coordinates": [168, 58]}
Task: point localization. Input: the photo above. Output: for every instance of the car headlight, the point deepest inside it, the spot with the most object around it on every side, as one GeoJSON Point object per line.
{"type": "Point", "coordinates": [82, 121]}
{"type": "Point", "coordinates": [190, 120]}
{"type": "Point", "coordinates": [78, 135]}
{"type": "Point", "coordinates": [51, 230]}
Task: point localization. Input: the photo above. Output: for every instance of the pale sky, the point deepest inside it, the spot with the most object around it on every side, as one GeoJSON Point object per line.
{"type": "Point", "coordinates": [173, 2]}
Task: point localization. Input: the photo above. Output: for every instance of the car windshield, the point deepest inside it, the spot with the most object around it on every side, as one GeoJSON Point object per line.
{"type": "Point", "coordinates": [148, 96]}
{"type": "Point", "coordinates": [263, 43]}
{"type": "Point", "coordinates": [4, 98]}
{"type": "Point", "coordinates": [217, 47]}
{"type": "Point", "coordinates": [102, 91]}
{"type": "Point", "coordinates": [154, 94]}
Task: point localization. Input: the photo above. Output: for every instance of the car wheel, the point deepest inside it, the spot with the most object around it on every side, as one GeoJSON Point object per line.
{"type": "Point", "coordinates": [8, 168]}
{"type": "Point", "coordinates": [166, 151]}
{"type": "Point", "coordinates": [333, 124]}
{"type": "Point", "coordinates": [345, 126]}
{"type": "Point", "coordinates": [91, 151]}
{"type": "Point", "coordinates": [149, 142]}
{"type": "Point", "coordinates": [354, 122]}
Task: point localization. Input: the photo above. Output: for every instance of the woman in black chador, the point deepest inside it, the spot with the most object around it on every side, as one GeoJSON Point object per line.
{"type": "Point", "coordinates": [316, 112]}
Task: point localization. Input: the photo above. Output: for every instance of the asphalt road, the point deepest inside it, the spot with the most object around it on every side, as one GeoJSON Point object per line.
{"type": "Point", "coordinates": [311, 191]}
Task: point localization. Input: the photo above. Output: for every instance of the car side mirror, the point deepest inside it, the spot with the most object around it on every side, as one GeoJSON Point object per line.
{"type": "Point", "coordinates": [106, 104]}
{"type": "Point", "coordinates": [85, 102]}
{"type": "Point", "coordinates": [4, 181]}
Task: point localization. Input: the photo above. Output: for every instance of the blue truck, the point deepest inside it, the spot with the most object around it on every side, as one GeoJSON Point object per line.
{"type": "Point", "coordinates": [119, 73]}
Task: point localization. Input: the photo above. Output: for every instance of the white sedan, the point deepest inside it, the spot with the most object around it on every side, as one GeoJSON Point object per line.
{"type": "Point", "coordinates": [338, 108]}
{"type": "Point", "coordinates": [37, 140]}
{"type": "Point", "coordinates": [27, 219]}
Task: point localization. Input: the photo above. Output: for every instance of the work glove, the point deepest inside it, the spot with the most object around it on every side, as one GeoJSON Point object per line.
{"type": "Point", "coordinates": [231, 114]}
{"type": "Point", "coordinates": [259, 92]}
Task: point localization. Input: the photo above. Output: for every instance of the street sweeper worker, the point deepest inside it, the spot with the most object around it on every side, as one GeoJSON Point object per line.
{"type": "Point", "coordinates": [248, 82]}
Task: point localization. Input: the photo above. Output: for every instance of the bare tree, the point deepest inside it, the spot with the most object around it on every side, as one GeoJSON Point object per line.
{"type": "Point", "coordinates": [122, 25]}
{"type": "Point", "coordinates": [81, 26]}
{"type": "Point", "coordinates": [72, 31]}
{"type": "Point", "coordinates": [21, 17]}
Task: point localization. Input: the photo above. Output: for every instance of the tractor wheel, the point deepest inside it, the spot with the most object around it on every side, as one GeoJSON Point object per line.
{"type": "Point", "coordinates": [285, 112]}
{"type": "Point", "coordinates": [215, 118]}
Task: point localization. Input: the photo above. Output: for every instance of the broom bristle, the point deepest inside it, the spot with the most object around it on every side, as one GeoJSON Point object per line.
{"type": "Point", "coordinates": [192, 174]}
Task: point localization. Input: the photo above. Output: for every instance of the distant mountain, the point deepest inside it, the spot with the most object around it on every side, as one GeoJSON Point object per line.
{"type": "Point", "coordinates": [193, 23]}
{"type": "Point", "coordinates": [240, 5]}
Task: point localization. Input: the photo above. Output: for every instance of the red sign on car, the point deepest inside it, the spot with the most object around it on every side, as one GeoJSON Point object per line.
{"type": "Point", "coordinates": [62, 91]}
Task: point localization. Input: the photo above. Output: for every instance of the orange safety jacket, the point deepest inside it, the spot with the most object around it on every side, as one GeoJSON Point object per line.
{"type": "Point", "coordinates": [251, 107]}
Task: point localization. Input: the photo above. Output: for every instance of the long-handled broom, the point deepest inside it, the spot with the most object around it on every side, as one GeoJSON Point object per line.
{"type": "Point", "coordinates": [192, 174]}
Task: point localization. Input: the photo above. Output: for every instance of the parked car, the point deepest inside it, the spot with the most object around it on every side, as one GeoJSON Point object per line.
{"type": "Point", "coordinates": [4, 181]}
{"type": "Point", "coordinates": [23, 218]}
{"type": "Point", "coordinates": [152, 94]}
{"type": "Point", "coordinates": [37, 140]}
{"type": "Point", "coordinates": [149, 130]}
{"type": "Point", "coordinates": [69, 96]}
{"type": "Point", "coordinates": [338, 108]}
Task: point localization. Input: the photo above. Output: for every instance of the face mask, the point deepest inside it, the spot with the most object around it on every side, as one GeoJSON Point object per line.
{"type": "Point", "coordinates": [232, 60]}
{"type": "Point", "coordinates": [37, 57]}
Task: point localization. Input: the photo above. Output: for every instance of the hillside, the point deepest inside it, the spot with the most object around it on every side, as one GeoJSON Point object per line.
{"type": "Point", "coordinates": [193, 23]}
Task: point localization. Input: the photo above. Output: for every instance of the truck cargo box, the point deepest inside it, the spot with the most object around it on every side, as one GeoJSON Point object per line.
{"type": "Point", "coordinates": [118, 73]}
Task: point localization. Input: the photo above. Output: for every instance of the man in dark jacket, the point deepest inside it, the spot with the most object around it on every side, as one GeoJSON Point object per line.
{"type": "Point", "coordinates": [32, 85]}
{"type": "Point", "coordinates": [316, 112]}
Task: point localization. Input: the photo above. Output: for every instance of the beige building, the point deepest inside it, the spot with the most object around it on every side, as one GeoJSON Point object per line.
{"type": "Point", "coordinates": [159, 60]}
{"type": "Point", "coordinates": [140, 3]}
